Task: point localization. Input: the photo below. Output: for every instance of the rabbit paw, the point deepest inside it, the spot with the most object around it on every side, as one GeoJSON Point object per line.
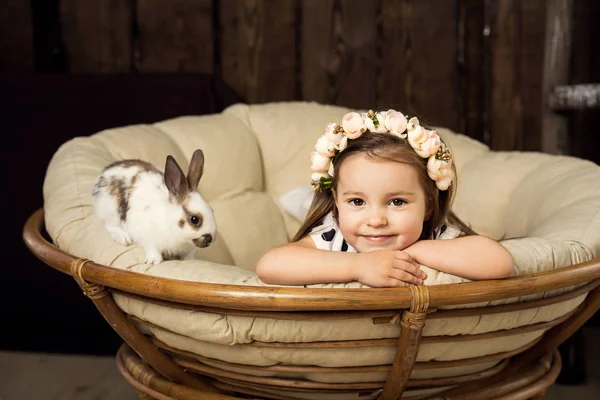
{"type": "Point", "coordinates": [119, 236]}
{"type": "Point", "coordinates": [153, 257]}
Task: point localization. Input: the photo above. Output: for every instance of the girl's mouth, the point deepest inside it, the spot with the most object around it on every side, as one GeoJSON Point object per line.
{"type": "Point", "coordinates": [377, 238]}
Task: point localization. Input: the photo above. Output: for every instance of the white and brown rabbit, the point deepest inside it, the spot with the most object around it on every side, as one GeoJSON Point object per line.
{"type": "Point", "coordinates": [163, 213]}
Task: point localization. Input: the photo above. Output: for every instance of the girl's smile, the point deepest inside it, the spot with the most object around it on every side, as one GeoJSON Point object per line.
{"type": "Point", "coordinates": [380, 203]}
{"type": "Point", "coordinates": [378, 238]}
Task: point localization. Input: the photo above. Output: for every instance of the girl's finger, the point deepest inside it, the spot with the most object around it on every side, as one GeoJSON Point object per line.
{"type": "Point", "coordinates": [402, 255]}
{"type": "Point", "coordinates": [418, 271]}
{"type": "Point", "coordinates": [409, 267]}
{"type": "Point", "coordinates": [405, 277]}
{"type": "Point", "coordinates": [421, 273]}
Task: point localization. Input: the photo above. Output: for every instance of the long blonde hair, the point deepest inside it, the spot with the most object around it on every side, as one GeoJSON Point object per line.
{"type": "Point", "coordinates": [388, 147]}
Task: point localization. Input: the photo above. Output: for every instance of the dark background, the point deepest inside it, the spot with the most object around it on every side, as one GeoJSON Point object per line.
{"type": "Point", "coordinates": [71, 68]}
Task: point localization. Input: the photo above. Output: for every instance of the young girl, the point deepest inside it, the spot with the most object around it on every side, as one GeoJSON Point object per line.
{"type": "Point", "coordinates": [384, 186]}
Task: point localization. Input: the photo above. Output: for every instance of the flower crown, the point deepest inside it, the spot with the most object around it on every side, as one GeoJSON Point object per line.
{"type": "Point", "coordinates": [426, 143]}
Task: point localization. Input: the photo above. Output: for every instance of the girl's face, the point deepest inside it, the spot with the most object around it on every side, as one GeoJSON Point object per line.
{"type": "Point", "coordinates": [381, 205]}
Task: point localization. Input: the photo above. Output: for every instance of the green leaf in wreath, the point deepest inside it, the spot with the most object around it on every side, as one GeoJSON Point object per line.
{"type": "Point", "coordinates": [325, 183]}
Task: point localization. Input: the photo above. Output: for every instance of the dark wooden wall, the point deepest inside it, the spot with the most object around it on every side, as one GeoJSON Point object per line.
{"type": "Point", "coordinates": [482, 67]}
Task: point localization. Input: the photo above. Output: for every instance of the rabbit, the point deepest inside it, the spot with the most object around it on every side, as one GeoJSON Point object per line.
{"type": "Point", "coordinates": [162, 212]}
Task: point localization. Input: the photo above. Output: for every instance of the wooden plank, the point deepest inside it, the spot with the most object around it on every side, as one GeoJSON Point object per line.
{"type": "Point", "coordinates": [258, 48]}
{"type": "Point", "coordinates": [584, 142]}
{"type": "Point", "coordinates": [339, 53]}
{"type": "Point", "coordinates": [320, 59]}
{"type": "Point", "coordinates": [516, 77]}
{"type": "Point", "coordinates": [419, 68]}
{"type": "Point", "coordinates": [97, 35]}
{"type": "Point", "coordinates": [358, 47]}
{"type": "Point", "coordinates": [395, 80]}
{"type": "Point", "coordinates": [435, 61]}
{"type": "Point", "coordinates": [533, 34]}
{"type": "Point", "coordinates": [16, 36]}
{"type": "Point", "coordinates": [471, 64]}
{"type": "Point", "coordinates": [556, 73]}
{"type": "Point", "coordinates": [488, 17]}
{"type": "Point", "coordinates": [174, 36]}
{"type": "Point", "coordinates": [505, 102]}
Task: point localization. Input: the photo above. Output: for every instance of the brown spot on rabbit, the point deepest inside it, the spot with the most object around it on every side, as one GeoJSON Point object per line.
{"type": "Point", "coordinates": [134, 179]}
{"type": "Point", "coordinates": [118, 189]}
{"type": "Point", "coordinates": [100, 184]}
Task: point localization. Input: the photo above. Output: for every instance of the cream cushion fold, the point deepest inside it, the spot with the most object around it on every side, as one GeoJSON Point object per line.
{"type": "Point", "coordinates": [544, 209]}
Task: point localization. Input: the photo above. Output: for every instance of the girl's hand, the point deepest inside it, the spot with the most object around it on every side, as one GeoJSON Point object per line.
{"type": "Point", "coordinates": [388, 268]}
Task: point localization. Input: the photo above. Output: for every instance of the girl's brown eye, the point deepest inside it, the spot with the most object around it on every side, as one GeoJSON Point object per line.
{"type": "Point", "coordinates": [194, 220]}
{"type": "Point", "coordinates": [357, 202]}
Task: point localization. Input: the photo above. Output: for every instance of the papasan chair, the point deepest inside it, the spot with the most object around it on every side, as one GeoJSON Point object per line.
{"type": "Point", "coordinates": [207, 328]}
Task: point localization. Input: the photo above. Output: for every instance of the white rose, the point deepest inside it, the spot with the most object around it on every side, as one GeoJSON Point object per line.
{"type": "Point", "coordinates": [438, 169]}
{"type": "Point", "coordinates": [343, 143]}
{"type": "Point", "coordinates": [331, 170]}
{"type": "Point", "coordinates": [370, 124]}
{"type": "Point", "coordinates": [318, 162]}
{"type": "Point", "coordinates": [396, 123]}
{"type": "Point", "coordinates": [417, 135]}
{"type": "Point", "coordinates": [412, 123]}
{"type": "Point", "coordinates": [325, 147]}
{"type": "Point", "coordinates": [354, 125]}
{"type": "Point", "coordinates": [428, 147]}
{"type": "Point", "coordinates": [316, 176]}
{"type": "Point", "coordinates": [331, 135]}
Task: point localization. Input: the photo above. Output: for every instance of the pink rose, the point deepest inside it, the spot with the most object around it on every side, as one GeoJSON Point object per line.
{"type": "Point", "coordinates": [429, 146]}
{"type": "Point", "coordinates": [330, 132]}
{"type": "Point", "coordinates": [443, 184]}
{"type": "Point", "coordinates": [325, 147]}
{"type": "Point", "coordinates": [318, 162]}
{"type": "Point", "coordinates": [396, 123]}
{"type": "Point", "coordinates": [354, 125]}
{"type": "Point", "coordinates": [441, 172]}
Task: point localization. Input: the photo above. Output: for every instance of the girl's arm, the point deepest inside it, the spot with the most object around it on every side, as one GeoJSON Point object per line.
{"type": "Point", "coordinates": [301, 263]}
{"type": "Point", "coordinates": [472, 257]}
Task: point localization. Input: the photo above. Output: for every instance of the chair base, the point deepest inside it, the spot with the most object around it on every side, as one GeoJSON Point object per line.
{"type": "Point", "coordinates": [150, 385]}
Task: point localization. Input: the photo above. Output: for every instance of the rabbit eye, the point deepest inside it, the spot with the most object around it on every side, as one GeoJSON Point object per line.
{"type": "Point", "coordinates": [195, 220]}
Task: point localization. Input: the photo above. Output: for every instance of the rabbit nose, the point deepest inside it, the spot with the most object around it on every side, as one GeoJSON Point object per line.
{"type": "Point", "coordinates": [203, 241]}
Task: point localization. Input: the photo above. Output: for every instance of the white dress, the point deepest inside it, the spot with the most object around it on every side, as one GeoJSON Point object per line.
{"type": "Point", "coordinates": [327, 236]}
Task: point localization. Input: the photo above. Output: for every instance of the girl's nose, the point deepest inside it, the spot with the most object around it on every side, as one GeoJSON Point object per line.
{"type": "Point", "coordinates": [377, 219]}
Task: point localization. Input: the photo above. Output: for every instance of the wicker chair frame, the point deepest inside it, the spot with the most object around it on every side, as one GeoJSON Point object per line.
{"type": "Point", "coordinates": [159, 371]}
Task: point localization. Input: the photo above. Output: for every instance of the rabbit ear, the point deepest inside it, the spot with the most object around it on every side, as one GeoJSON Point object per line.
{"type": "Point", "coordinates": [196, 169]}
{"type": "Point", "coordinates": [175, 179]}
